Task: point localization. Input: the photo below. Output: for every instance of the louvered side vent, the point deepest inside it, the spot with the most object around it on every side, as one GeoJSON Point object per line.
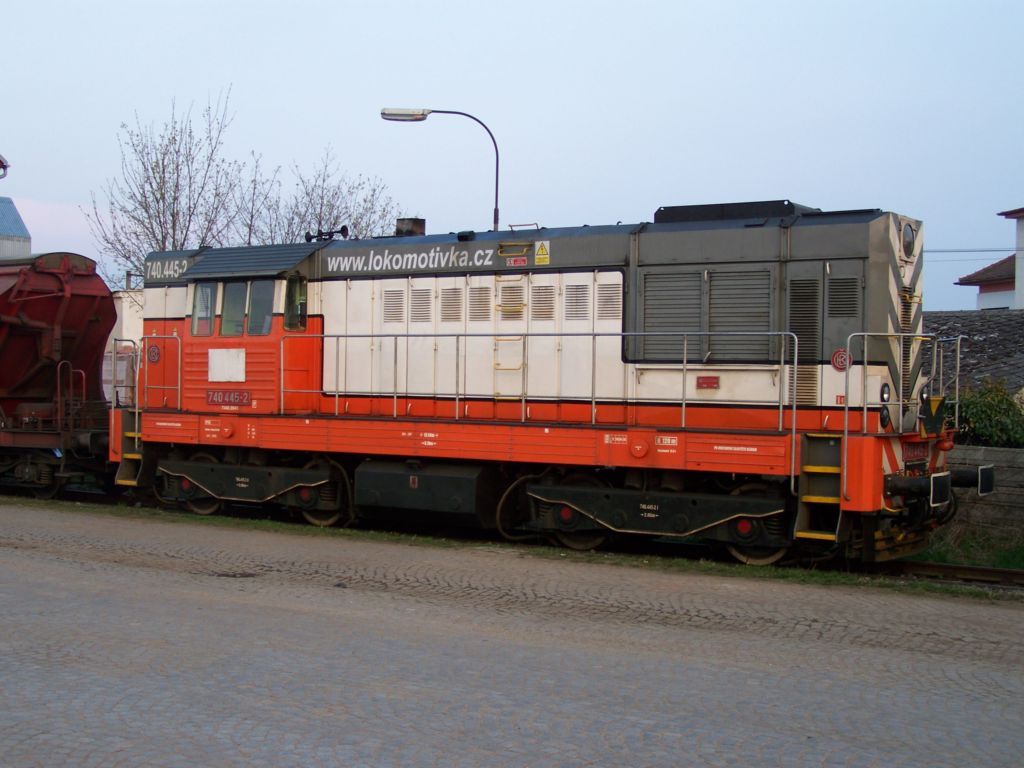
{"type": "Point", "coordinates": [843, 297]}
{"type": "Point", "coordinates": [479, 304]}
{"type": "Point", "coordinates": [451, 305]}
{"type": "Point", "coordinates": [511, 302]}
{"type": "Point", "coordinates": [906, 344]}
{"type": "Point", "coordinates": [542, 302]}
{"type": "Point", "coordinates": [421, 305]}
{"type": "Point", "coordinates": [739, 302]}
{"type": "Point", "coordinates": [671, 303]}
{"type": "Point", "coordinates": [577, 302]}
{"type": "Point", "coordinates": [805, 322]}
{"type": "Point", "coordinates": [394, 306]}
{"type": "Point", "coordinates": [609, 302]}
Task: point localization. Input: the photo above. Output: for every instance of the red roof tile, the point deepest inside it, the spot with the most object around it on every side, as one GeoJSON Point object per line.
{"type": "Point", "coordinates": [1002, 270]}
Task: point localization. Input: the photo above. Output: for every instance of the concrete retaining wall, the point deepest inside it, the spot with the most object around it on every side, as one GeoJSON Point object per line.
{"type": "Point", "coordinates": [1005, 507]}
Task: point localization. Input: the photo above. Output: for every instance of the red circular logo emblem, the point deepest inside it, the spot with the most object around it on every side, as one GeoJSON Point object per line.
{"type": "Point", "coordinates": [153, 353]}
{"type": "Point", "coordinates": [840, 360]}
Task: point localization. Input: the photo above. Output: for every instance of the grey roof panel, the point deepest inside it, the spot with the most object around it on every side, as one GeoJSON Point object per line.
{"type": "Point", "coordinates": [250, 260]}
{"type": "Point", "coordinates": [11, 224]}
{"type": "Point", "coordinates": [994, 347]}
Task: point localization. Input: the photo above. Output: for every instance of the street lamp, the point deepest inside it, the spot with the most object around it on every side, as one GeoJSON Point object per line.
{"type": "Point", "coordinates": [419, 115]}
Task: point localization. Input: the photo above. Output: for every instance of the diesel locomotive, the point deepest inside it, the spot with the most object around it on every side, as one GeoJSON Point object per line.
{"type": "Point", "coordinates": [753, 375]}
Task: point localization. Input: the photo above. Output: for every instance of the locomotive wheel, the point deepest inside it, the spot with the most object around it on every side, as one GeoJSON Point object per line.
{"type": "Point", "coordinates": [202, 503]}
{"type": "Point", "coordinates": [755, 555]}
{"type": "Point", "coordinates": [342, 516]}
{"type": "Point", "coordinates": [585, 540]}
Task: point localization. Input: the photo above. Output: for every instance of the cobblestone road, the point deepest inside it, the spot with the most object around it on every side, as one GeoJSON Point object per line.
{"type": "Point", "coordinates": [135, 642]}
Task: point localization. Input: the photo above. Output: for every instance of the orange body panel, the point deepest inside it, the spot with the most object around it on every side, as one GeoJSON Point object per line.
{"type": "Point", "coordinates": [631, 447]}
{"type": "Point", "coordinates": [863, 474]}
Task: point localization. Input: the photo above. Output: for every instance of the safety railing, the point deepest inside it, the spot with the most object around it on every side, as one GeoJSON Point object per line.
{"type": "Point", "coordinates": [66, 400]}
{"type": "Point", "coordinates": [123, 393]}
{"type": "Point", "coordinates": [146, 386]}
{"type": "Point", "coordinates": [899, 349]}
{"type": "Point", "coordinates": [782, 369]}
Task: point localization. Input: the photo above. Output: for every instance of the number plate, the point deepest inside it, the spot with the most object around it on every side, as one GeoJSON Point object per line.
{"type": "Point", "coordinates": [228, 397]}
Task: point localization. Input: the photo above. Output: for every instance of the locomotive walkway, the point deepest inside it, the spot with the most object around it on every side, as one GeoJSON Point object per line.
{"type": "Point", "coordinates": [136, 642]}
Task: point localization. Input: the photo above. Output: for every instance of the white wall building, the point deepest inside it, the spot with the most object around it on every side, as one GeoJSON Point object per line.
{"type": "Point", "coordinates": [15, 241]}
{"type": "Point", "coordinates": [1001, 285]}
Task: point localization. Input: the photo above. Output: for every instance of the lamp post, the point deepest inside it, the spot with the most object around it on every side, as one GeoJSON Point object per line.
{"type": "Point", "coordinates": [419, 115]}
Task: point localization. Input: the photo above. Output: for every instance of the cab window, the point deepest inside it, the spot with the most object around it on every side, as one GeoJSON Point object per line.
{"type": "Point", "coordinates": [295, 304]}
{"type": "Point", "coordinates": [232, 314]}
{"type": "Point", "coordinates": [204, 303]}
{"type": "Point", "coordinates": [261, 307]}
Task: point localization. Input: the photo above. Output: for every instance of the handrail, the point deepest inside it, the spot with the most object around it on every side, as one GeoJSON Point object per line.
{"type": "Point", "coordinates": [61, 366]}
{"type": "Point", "coordinates": [135, 406]}
{"type": "Point", "coordinates": [114, 385]}
{"type": "Point", "coordinates": [786, 364]}
{"type": "Point", "coordinates": [936, 352]}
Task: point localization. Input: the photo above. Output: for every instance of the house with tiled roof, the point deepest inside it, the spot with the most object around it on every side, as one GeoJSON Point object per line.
{"type": "Point", "coordinates": [993, 345]}
{"type": "Point", "coordinates": [997, 283]}
{"type": "Point", "coordinates": [993, 349]}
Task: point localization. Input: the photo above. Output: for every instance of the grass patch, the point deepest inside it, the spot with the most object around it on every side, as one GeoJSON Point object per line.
{"type": "Point", "coordinates": [971, 543]}
{"type": "Point", "coordinates": [824, 575]}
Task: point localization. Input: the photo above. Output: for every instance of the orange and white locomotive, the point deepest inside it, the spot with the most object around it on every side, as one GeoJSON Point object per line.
{"type": "Point", "coordinates": [750, 374]}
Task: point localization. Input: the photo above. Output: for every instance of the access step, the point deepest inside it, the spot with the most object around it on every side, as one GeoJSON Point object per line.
{"type": "Point", "coordinates": [810, 499]}
{"type": "Point", "coordinates": [816, 535]}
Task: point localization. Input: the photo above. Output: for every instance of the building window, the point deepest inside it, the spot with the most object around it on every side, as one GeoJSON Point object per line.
{"type": "Point", "coordinates": [261, 307]}
{"type": "Point", "coordinates": [204, 303]}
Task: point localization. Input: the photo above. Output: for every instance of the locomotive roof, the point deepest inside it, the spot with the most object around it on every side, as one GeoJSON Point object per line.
{"type": "Point", "coordinates": [602, 244]}
{"type": "Point", "coordinates": [250, 260]}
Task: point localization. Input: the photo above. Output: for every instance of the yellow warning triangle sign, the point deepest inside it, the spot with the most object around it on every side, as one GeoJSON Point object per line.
{"type": "Point", "coordinates": [542, 249]}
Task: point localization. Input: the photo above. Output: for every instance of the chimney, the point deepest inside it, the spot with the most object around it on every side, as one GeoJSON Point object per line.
{"type": "Point", "coordinates": [410, 227]}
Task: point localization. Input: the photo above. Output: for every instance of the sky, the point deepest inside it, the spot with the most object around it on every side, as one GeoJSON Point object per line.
{"type": "Point", "coordinates": [602, 111]}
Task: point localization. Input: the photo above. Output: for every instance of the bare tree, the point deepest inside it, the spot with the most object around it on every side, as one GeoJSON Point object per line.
{"type": "Point", "coordinates": [323, 200]}
{"type": "Point", "coordinates": [175, 191]}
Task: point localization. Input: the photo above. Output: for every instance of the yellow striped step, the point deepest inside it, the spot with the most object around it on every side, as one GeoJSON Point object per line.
{"type": "Point", "coordinates": [816, 535]}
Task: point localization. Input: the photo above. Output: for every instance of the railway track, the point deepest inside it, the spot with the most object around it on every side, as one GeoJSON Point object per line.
{"type": "Point", "coordinates": [967, 574]}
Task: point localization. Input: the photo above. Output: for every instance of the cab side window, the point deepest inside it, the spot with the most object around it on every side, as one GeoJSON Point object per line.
{"type": "Point", "coordinates": [295, 304]}
{"type": "Point", "coordinates": [232, 314]}
{"type": "Point", "coordinates": [204, 303]}
{"type": "Point", "coordinates": [261, 307]}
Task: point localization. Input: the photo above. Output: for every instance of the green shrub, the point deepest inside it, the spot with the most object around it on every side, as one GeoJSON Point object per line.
{"type": "Point", "coordinates": [989, 415]}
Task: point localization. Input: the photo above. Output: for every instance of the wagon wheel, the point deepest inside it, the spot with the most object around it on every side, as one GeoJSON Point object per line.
{"type": "Point", "coordinates": [49, 484]}
{"type": "Point", "coordinates": [47, 491]}
{"type": "Point", "coordinates": [585, 540]}
{"type": "Point", "coordinates": [201, 503]}
{"type": "Point", "coordinates": [343, 516]}
{"type": "Point", "coordinates": [754, 555]}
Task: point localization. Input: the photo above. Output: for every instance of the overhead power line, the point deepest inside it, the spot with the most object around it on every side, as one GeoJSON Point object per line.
{"type": "Point", "coordinates": [969, 250]}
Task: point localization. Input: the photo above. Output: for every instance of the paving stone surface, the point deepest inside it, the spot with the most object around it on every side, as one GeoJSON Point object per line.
{"type": "Point", "coordinates": [142, 643]}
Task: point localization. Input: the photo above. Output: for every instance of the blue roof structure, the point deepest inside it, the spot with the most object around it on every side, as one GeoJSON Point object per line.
{"type": "Point", "coordinates": [250, 260]}
{"type": "Point", "coordinates": [11, 224]}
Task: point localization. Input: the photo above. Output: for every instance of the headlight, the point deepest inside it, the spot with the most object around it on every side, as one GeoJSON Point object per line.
{"type": "Point", "coordinates": [885, 394]}
{"type": "Point", "coordinates": [908, 240]}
